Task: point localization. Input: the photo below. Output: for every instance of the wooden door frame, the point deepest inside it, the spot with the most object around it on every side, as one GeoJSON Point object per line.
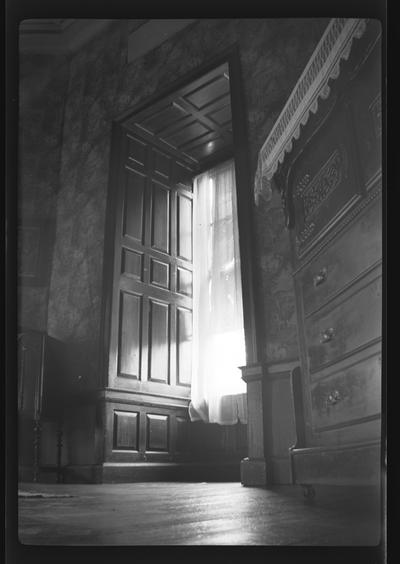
{"type": "Point", "coordinates": [252, 318]}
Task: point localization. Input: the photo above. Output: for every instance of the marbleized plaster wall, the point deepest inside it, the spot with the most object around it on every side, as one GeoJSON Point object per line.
{"type": "Point", "coordinates": [43, 80]}
{"type": "Point", "coordinates": [102, 86]}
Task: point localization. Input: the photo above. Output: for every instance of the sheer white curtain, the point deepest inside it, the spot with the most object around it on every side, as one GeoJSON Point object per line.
{"type": "Point", "coordinates": [218, 394]}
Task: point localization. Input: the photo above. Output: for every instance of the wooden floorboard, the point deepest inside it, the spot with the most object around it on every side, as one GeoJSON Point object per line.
{"type": "Point", "coordinates": [196, 514]}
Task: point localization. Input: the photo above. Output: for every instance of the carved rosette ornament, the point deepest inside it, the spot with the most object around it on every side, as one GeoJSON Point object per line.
{"type": "Point", "coordinates": [324, 65]}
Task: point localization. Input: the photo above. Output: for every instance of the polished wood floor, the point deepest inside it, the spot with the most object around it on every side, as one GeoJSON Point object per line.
{"type": "Point", "coordinates": [195, 514]}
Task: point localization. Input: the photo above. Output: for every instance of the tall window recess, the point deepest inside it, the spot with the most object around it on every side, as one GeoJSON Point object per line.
{"type": "Point", "coordinates": [149, 293]}
{"type": "Point", "coordinates": [217, 391]}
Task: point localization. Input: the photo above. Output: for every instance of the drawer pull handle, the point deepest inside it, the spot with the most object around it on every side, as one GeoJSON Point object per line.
{"type": "Point", "coordinates": [320, 277]}
{"type": "Point", "coordinates": [334, 397]}
{"type": "Point", "coordinates": [327, 335]}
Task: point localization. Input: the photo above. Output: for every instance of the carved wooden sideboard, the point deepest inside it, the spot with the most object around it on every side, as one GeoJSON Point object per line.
{"type": "Point", "coordinates": [331, 187]}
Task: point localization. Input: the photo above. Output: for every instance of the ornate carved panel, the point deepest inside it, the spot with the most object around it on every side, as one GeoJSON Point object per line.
{"type": "Point", "coordinates": [322, 185]}
{"type": "Point", "coordinates": [323, 182]}
{"type": "Point", "coordinates": [312, 86]}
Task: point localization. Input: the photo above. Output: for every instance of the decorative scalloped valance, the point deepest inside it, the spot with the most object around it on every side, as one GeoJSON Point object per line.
{"type": "Point", "coordinates": [324, 64]}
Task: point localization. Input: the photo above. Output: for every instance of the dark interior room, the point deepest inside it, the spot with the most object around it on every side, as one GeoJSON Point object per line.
{"type": "Point", "coordinates": [199, 285]}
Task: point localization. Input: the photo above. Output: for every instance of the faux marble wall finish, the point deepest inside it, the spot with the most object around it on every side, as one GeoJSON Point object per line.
{"type": "Point", "coordinates": [102, 86]}
{"type": "Point", "coordinates": [43, 82]}
{"type": "Point", "coordinates": [276, 283]}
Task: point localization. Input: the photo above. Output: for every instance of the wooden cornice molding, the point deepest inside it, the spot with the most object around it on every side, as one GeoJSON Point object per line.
{"type": "Point", "coordinates": [58, 37]}
{"type": "Point", "coordinates": [66, 36]}
{"type": "Point", "coordinates": [151, 34]}
{"type": "Point", "coordinates": [324, 65]}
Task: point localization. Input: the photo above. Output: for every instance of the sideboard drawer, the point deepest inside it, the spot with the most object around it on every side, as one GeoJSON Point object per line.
{"type": "Point", "coordinates": [332, 333]}
{"type": "Point", "coordinates": [352, 394]}
{"type": "Point", "coordinates": [357, 249]}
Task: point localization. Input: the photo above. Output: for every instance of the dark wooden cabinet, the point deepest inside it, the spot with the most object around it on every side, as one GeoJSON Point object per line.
{"type": "Point", "coordinates": [332, 184]}
{"type": "Point", "coordinates": [42, 396]}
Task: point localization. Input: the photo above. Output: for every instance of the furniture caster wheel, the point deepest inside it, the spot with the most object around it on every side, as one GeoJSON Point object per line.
{"type": "Point", "coordinates": [308, 492]}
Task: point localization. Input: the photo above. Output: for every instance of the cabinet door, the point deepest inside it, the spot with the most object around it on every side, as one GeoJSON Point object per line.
{"type": "Point", "coordinates": [151, 325]}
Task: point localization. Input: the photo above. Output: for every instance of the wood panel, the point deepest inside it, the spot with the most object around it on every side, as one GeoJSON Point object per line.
{"type": "Point", "coordinates": [354, 322]}
{"type": "Point", "coordinates": [129, 353]}
{"type": "Point", "coordinates": [137, 150]}
{"type": "Point", "coordinates": [188, 133]}
{"type": "Point", "coordinates": [356, 465]}
{"type": "Point", "coordinates": [161, 164]}
{"type": "Point", "coordinates": [165, 272]}
{"type": "Point", "coordinates": [160, 218]}
{"type": "Point", "coordinates": [159, 341]}
{"type": "Point", "coordinates": [184, 346]}
{"type": "Point", "coordinates": [334, 172]}
{"type": "Point", "coordinates": [182, 434]}
{"type": "Point", "coordinates": [351, 394]}
{"type": "Point", "coordinates": [185, 227]}
{"type": "Point", "coordinates": [160, 273]}
{"type": "Point", "coordinates": [367, 111]}
{"type": "Point", "coordinates": [143, 428]}
{"type": "Point", "coordinates": [183, 176]}
{"type": "Point", "coordinates": [357, 249]}
{"type": "Point", "coordinates": [126, 430]}
{"type": "Point", "coordinates": [134, 205]}
{"type": "Point", "coordinates": [203, 95]}
{"type": "Point", "coordinates": [184, 281]}
{"type": "Point", "coordinates": [196, 120]}
{"type": "Point", "coordinates": [157, 432]}
{"type": "Point", "coordinates": [281, 433]}
{"type": "Point", "coordinates": [155, 207]}
{"type": "Point", "coordinates": [324, 182]}
{"type": "Point", "coordinates": [132, 264]}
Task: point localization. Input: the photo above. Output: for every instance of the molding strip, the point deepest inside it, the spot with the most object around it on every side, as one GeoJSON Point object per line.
{"type": "Point", "coordinates": [58, 37]}
{"type": "Point", "coordinates": [324, 64]}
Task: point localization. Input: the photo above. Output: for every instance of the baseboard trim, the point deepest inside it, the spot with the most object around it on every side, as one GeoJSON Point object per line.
{"type": "Point", "coordinates": [349, 465]}
{"type": "Point", "coordinates": [46, 474]}
{"type": "Point", "coordinates": [153, 472]}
